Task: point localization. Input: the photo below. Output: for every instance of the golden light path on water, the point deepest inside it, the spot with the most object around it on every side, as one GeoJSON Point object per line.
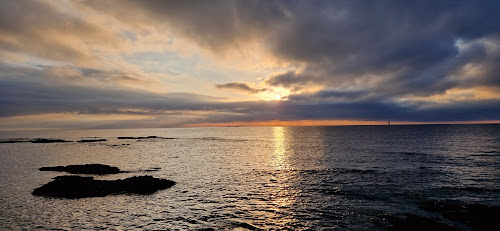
{"type": "Point", "coordinates": [284, 193]}
{"type": "Point", "coordinates": [279, 153]}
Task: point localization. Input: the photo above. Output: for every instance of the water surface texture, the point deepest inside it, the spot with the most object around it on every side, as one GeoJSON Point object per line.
{"type": "Point", "coordinates": [293, 178]}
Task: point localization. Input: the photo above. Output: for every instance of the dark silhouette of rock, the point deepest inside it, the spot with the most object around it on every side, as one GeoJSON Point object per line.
{"type": "Point", "coordinates": [41, 140]}
{"type": "Point", "coordinates": [477, 216]}
{"type": "Point", "coordinates": [98, 169]}
{"type": "Point", "coordinates": [72, 187]}
{"type": "Point", "coordinates": [90, 141]}
{"type": "Point", "coordinates": [137, 138]}
{"type": "Point", "coordinates": [412, 222]}
{"type": "Point", "coordinates": [37, 140]}
{"type": "Point", "coordinates": [141, 137]}
{"type": "Point", "coordinates": [13, 141]}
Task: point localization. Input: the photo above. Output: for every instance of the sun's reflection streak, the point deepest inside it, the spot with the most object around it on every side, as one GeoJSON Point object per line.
{"type": "Point", "coordinates": [283, 192]}
{"type": "Point", "coordinates": [279, 153]}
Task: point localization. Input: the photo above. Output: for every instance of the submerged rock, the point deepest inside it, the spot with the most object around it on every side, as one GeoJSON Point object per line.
{"type": "Point", "coordinates": [98, 169]}
{"type": "Point", "coordinates": [477, 216]}
{"type": "Point", "coordinates": [72, 187]}
{"type": "Point", "coordinates": [412, 222]}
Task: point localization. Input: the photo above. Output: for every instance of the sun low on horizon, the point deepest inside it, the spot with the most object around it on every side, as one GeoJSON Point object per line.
{"type": "Point", "coordinates": [93, 64]}
{"type": "Point", "coordinates": [213, 115]}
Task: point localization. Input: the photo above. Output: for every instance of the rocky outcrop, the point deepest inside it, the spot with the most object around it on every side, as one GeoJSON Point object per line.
{"type": "Point", "coordinates": [97, 169]}
{"type": "Point", "coordinates": [72, 187]}
{"type": "Point", "coordinates": [90, 141]}
{"type": "Point", "coordinates": [142, 137]}
{"type": "Point", "coordinates": [36, 141]}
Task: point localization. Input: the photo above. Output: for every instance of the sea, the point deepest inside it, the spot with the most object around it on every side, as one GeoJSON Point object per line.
{"type": "Point", "coordinates": [257, 178]}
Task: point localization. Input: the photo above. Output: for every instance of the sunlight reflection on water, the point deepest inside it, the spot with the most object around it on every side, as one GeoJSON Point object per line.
{"type": "Point", "coordinates": [294, 178]}
{"type": "Point", "coordinates": [283, 190]}
{"type": "Point", "coordinates": [279, 158]}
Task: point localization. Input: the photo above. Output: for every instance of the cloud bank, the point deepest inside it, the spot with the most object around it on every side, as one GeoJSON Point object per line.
{"type": "Point", "coordinates": [420, 61]}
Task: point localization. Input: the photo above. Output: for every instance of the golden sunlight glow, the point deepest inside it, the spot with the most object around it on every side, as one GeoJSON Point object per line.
{"type": "Point", "coordinates": [284, 192]}
{"type": "Point", "coordinates": [276, 93]}
{"type": "Point", "coordinates": [279, 145]}
{"type": "Point", "coordinates": [278, 159]}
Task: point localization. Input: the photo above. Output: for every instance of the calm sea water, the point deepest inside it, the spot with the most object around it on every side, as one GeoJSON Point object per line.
{"type": "Point", "coordinates": [255, 177]}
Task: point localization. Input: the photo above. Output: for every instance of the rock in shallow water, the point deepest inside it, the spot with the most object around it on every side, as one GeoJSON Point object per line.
{"type": "Point", "coordinates": [72, 187]}
{"type": "Point", "coordinates": [411, 222]}
{"type": "Point", "coordinates": [44, 141]}
{"type": "Point", "coordinates": [98, 169]}
{"type": "Point", "coordinates": [477, 216]}
{"type": "Point", "coordinates": [92, 141]}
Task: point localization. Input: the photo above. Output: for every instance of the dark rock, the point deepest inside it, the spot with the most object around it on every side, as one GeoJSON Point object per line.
{"type": "Point", "coordinates": [137, 138]}
{"type": "Point", "coordinates": [477, 216]}
{"type": "Point", "coordinates": [128, 138]}
{"type": "Point", "coordinates": [41, 140]}
{"type": "Point", "coordinates": [89, 141]}
{"type": "Point", "coordinates": [72, 187]}
{"type": "Point", "coordinates": [98, 169]}
{"type": "Point", "coordinates": [412, 222]}
{"type": "Point", "coordinates": [13, 141]}
{"type": "Point", "coordinates": [141, 137]}
{"type": "Point", "coordinates": [37, 140]}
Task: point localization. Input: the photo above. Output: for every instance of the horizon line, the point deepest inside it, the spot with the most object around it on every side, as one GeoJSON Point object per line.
{"type": "Point", "coordinates": [269, 124]}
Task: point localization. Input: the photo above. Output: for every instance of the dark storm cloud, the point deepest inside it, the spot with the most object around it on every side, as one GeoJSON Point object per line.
{"type": "Point", "coordinates": [368, 57]}
{"type": "Point", "coordinates": [30, 94]}
{"type": "Point", "coordinates": [29, 91]}
{"type": "Point", "coordinates": [214, 24]}
{"type": "Point", "coordinates": [243, 87]}
{"type": "Point", "coordinates": [410, 45]}
{"type": "Point", "coordinates": [331, 96]}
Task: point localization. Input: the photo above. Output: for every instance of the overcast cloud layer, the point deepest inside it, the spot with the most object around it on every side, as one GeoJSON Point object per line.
{"type": "Point", "coordinates": [225, 61]}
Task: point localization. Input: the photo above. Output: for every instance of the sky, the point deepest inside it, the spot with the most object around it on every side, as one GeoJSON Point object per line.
{"type": "Point", "coordinates": [152, 64]}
